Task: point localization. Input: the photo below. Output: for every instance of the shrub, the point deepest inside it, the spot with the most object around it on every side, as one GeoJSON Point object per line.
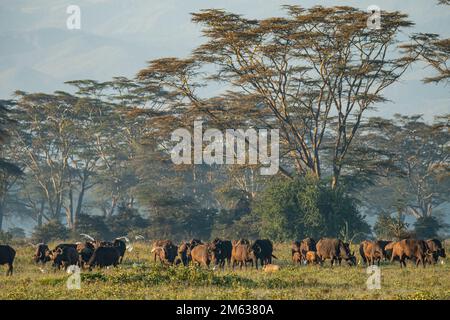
{"type": "Point", "coordinates": [53, 230]}
{"type": "Point", "coordinates": [305, 206]}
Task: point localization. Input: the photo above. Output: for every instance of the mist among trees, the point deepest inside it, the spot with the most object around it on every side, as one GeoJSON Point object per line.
{"type": "Point", "coordinates": [97, 161]}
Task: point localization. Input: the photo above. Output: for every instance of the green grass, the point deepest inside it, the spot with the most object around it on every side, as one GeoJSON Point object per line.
{"type": "Point", "coordinates": [139, 278]}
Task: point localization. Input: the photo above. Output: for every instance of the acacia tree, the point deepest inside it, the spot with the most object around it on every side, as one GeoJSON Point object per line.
{"type": "Point", "coordinates": [419, 162]}
{"type": "Point", "coordinates": [9, 171]}
{"type": "Point", "coordinates": [311, 74]}
{"type": "Point", "coordinates": [54, 139]}
{"type": "Point", "coordinates": [434, 51]}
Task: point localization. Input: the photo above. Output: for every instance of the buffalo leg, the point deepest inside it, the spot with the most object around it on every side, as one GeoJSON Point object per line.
{"type": "Point", "coordinates": [10, 269]}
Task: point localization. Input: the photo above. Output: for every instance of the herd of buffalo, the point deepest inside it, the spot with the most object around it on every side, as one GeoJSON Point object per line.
{"type": "Point", "coordinates": [241, 252]}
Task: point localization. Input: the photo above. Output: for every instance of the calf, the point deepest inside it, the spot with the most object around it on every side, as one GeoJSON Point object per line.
{"type": "Point", "coordinates": [312, 257]}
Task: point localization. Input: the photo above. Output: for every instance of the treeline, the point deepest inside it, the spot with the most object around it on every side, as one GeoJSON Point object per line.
{"type": "Point", "coordinates": [98, 160]}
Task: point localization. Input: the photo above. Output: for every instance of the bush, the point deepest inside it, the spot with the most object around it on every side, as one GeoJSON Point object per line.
{"type": "Point", "coordinates": [127, 220]}
{"type": "Point", "coordinates": [228, 226]}
{"type": "Point", "coordinates": [5, 237]}
{"type": "Point", "coordinates": [53, 230]}
{"type": "Point", "coordinates": [17, 233]}
{"type": "Point", "coordinates": [94, 226]}
{"type": "Point", "coordinates": [294, 209]}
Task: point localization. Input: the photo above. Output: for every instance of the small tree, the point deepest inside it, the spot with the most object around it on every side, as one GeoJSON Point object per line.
{"type": "Point", "coordinates": [388, 227]}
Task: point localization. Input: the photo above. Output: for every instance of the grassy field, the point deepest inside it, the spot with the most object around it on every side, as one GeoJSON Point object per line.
{"type": "Point", "coordinates": [139, 278]}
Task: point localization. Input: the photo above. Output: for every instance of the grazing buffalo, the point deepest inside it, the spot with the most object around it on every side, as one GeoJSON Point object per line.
{"type": "Point", "coordinates": [64, 257]}
{"type": "Point", "coordinates": [371, 252]}
{"type": "Point", "coordinates": [241, 254]}
{"type": "Point", "coordinates": [263, 250]}
{"type": "Point", "coordinates": [409, 249]}
{"type": "Point", "coordinates": [7, 255]}
{"type": "Point", "coordinates": [335, 250]}
{"type": "Point", "coordinates": [104, 257]}
{"type": "Point", "coordinates": [165, 250]}
{"type": "Point", "coordinates": [436, 249]}
{"type": "Point", "coordinates": [40, 254]}
{"type": "Point", "coordinates": [312, 257]}
{"type": "Point", "coordinates": [201, 255]}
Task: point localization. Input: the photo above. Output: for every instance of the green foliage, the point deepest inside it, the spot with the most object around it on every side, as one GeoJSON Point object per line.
{"type": "Point", "coordinates": [53, 230]}
{"type": "Point", "coordinates": [17, 233]}
{"type": "Point", "coordinates": [92, 225]}
{"type": "Point", "coordinates": [427, 227]}
{"type": "Point", "coordinates": [388, 227]}
{"type": "Point", "coordinates": [125, 221]}
{"type": "Point", "coordinates": [232, 224]}
{"type": "Point", "coordinates": [294, 209]}
{"type": "Point", "coordinates": [5, 237]}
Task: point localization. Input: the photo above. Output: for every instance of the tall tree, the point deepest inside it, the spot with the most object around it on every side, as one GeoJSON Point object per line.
{"type": "Point", "coordinates": [9, 171]}
{"type": "Point", "coordinates": [419, 172]}
{"type": "Point", "coordinates": [312, 75]}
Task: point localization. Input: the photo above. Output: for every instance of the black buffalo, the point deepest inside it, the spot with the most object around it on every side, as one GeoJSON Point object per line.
{"type": "Point", "coordinates": [7, 255]}
{"type": "Point", "coordinates": [41, 256]}
{"type": "Point", "coordinates": [104, 257]}
{"type": "Point", "coordinates": [263, 250]}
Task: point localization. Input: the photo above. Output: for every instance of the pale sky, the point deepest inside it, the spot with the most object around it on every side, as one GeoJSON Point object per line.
{"type": "Point", "coordinates": [117, 37]}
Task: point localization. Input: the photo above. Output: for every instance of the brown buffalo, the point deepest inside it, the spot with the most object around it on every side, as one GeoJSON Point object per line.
{"type": "Point", "coordinates": [295, 251]}
{"type": "Point", "coordinates": [165, 250]}
{"type": "Point", "coordinates": [409, 249]}
{"type": "Point", "coordinates": [335, 250]}
{"type": "Point", "coordinates": [297, 258]}
{"type": "Point", "coordinates": [202, 255]}
{"type": "Point", "coordinates": [308, 244]}
{"type": "Point", "coordinates": [241, 254]}
{"type": "Point", "coordinates": [312, 257]}
{"type": "Point", "coordinates": [7, 255]}
{"type": "Point", "coordinates": [271, 268]}
{"type": "Point", "coordinates": [371, 252]}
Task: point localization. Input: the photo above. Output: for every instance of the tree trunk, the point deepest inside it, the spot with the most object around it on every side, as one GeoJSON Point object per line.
{"type": "Point", "coordinates": [1, 216]}
{"type": "Point", "coordinates": [335, 178]}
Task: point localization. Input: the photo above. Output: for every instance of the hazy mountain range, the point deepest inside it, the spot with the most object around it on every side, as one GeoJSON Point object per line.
{"type": "Point", "coordinates": [39, 53]}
